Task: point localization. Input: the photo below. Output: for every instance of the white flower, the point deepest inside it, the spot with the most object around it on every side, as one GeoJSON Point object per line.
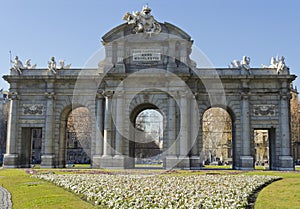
{"type": "Point", "coordinates": [132, 191]}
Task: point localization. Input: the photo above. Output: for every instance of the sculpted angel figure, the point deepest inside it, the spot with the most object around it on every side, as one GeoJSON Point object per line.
{"type": "Point", "coordinates": [17, 65]}
{"type": "Point", "coordinates": [28, 64]}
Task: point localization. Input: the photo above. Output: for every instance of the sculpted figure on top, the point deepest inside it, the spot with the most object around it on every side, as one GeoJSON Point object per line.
{"type": "Point", "coordinates": [52, 65]}
{"type": "Point", "coordinates": [17, 65]}
{"type": "Point", "coordinates": [277, 63]}
{"type": "Point", "coordinates": [243, 64]}
{"type": "Point", "coordinates": [63, 66]}
{"type": "Point", "coordinates": [28, 64]}
{"type": "Point", "coordinates": [144, 22]}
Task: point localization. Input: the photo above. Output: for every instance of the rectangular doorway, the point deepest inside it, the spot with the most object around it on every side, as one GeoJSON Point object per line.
{"type": "Point", "coordinates": [264, 141]}
{"type": "Point", "coordinates": [31, 145]}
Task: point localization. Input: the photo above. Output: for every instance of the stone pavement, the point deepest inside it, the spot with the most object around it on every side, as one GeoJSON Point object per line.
{"type": "Point", "coordinates": [5, 199]}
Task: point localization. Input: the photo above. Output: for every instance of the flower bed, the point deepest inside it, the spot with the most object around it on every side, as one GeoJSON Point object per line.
{"type": "Point", "coordinates": [162, 191]}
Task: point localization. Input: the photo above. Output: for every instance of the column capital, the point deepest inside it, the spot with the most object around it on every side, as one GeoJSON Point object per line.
{"type": "Point", "coordinates": [99, 94]}
{"type": "Point", "coordinates": [173, 95]}
{"type": "Point", "coordinates": [285, 96]}
{"type": "Point", "coordinates": [244, 96]}
{"type": "Point", "coordinates": [50, 95]}
{"type": "Point", "coordinates": [182, 93]}
{"type": "Point", "coordinates": [13, 95]}
{"type": "Point", "coordinates": [120, 93]}
{"type": "Point", "coordinates": [108, 94]}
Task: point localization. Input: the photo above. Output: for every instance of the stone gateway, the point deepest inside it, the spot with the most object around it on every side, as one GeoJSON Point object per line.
{"type": "Point", "coordinates": [148, 65]}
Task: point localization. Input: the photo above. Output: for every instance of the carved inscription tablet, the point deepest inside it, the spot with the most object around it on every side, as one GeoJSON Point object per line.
{"type": "Point", "coordinates": [146, 55]}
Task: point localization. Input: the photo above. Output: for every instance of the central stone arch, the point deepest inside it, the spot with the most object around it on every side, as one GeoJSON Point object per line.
{"type": "Point", "coordinates": [140, 141]}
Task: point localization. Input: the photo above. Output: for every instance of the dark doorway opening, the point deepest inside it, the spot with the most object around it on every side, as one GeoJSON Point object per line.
{"type": "Point", "coordinates": [31, 147]}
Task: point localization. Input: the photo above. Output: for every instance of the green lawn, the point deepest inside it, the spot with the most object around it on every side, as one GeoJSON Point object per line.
{"type": "Point", "coordinates": [32, 193]}
{"type": "Point", "coordinates": [280, 194]}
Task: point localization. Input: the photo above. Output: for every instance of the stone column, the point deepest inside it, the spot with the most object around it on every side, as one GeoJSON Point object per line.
{"type": "Point", "coordinates": [285, 159]}
{"type": "Point", "coordinates": [107, 141]}
{"type": "Point", "coordinates": [11, 157]}
{"type": "Point", "coordinates": [184, 131]}
{"type": "Point", "coordinates": [119, 158]}
{"type": "Point", "coordinates": [171, 158]}
{"type": "Point", "coordinates": [194, 128]}
{"type": "Point", "coordinates": [246, 160]}
{"type": "Point", "coordinates": [48, 156]}
{"type": "Point", "coordinates": [245, 125]}
{"type": "Point", "coordinates": [119, 124]}
{"type": "Point", "coordinates": [99, 130]}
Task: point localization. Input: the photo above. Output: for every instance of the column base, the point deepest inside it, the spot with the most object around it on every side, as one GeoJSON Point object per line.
{"type": "Point", "coordinates": [195, 162]}
{"type": "Point", "coordinates": [47, 161]}
{"type": "Point", "coordinates": [286, 163]}
{"type": "Point", "coordinates": [246, 163]}
{"type": "Point", "coordinates": [10, 161]}
{"type": "Point", "coordinates": [96, 161]}
{"type": "Point", "coordinates": [115, 162]}
{"type": "Point", "coordinates": [183, 162]}
{"type": "Point", "coordinates": [171, 162]}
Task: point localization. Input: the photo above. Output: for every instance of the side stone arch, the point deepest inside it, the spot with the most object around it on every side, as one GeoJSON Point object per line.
{"type": "Point", "coordinates": [60, 135]}
{"type": "Point", "coordinates": [233, 117]}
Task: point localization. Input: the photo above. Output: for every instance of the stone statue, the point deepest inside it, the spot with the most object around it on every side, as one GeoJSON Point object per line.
{"type": "Point", "coordinates": [243, 64]}
{"type": "Point", "coordinates": [281, 65]}
{"type": "Point", "coordinates": [273, 63]}
{"type": "Point", "coordinates": [17, 65]}
{"type": "Point", "coordinates": [63, 66]}
{"type": "Point", "coordinates": [235, 64]}
{"type": "Point", "coordinates": [144, 22]}
{"type": "Point", "coordinates": [52, 65]}
{"type": "Point", "coordinates": [277, 63]}
{"type": "Point", "coordinates": [28, 65]}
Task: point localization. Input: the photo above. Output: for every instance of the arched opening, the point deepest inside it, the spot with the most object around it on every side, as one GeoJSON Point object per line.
{"type": "Point", "coordinates": [217, 149]}
{"type": "Point", "coordinates": [147, 146]}
{"type": "Point", "coordinates": [78, 135]}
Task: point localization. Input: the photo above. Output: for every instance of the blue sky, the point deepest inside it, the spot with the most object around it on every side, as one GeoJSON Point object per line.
{"type": "Point", "coordinates": [223, 30]}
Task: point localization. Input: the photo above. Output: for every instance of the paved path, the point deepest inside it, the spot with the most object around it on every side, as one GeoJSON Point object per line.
{"type": "Point", "coordinates": [5, 199]}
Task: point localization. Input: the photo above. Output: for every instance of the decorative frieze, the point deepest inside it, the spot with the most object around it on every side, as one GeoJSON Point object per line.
{"type": "Point", "coordinates": [264, 110]}
{"type": "Point", "coordinates": [33, 109]}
